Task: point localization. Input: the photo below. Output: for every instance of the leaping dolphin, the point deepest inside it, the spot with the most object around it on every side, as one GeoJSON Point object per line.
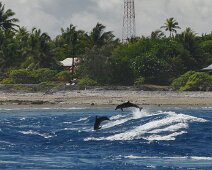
{"type": "Point", "coordinates": [126, 105]}
{"type": "Point", "coordinates": [98, 122]}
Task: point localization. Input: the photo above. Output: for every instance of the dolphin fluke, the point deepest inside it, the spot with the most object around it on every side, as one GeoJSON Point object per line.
{"type": "Point", "coordinates": [128, 104]}
{"type": "Point", "coordinates": [98, 121]}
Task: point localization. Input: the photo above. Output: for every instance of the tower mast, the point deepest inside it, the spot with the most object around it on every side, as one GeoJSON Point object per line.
{"type": "Point", "coordinates": [129, 28]}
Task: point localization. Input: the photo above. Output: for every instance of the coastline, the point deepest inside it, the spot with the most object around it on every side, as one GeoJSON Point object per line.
{"type": "Point", "coordinates": [104, 98]}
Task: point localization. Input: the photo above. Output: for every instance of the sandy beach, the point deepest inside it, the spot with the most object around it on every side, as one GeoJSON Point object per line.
{"type": "Point", "coordinates": [106, 98]}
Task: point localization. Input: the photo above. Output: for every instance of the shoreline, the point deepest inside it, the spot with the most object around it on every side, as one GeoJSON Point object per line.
{"type": "Point", "coordinates": [104, 98]}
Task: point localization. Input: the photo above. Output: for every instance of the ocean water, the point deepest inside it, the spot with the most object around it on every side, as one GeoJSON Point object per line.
{"type": "Point", "coordinates": [63, 138]}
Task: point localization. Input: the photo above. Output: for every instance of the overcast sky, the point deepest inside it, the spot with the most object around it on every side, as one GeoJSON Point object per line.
{"type": "Point", "coordinates": [52, 15]}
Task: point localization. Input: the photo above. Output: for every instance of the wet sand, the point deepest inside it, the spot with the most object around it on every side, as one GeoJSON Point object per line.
{"type": "Point", "coordinates": [105, 98]}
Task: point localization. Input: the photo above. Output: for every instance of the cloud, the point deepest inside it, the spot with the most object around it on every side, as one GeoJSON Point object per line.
{"type": "Point", "coordinates": [52, 15]}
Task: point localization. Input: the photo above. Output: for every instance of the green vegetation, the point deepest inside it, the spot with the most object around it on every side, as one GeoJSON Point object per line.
{"type": "Point", "coordinates": [86, 81]}
{"type": "Point", "coordinates": [182, 80]}
{"type": "Point", "coordinates": [6, 18]}
{"type": "Point", "coordinates": [33, 57]}
{"type": "Point", "coordinates": [64, 76]}
{"type": "Point", "coordinates": [171, 25]}
{"type": "Point", "coordinates": [139, 82]}
{"type": "Point", "coordinates": [23, 76]}
{"type": "Point", "coordinates": [193, 81]}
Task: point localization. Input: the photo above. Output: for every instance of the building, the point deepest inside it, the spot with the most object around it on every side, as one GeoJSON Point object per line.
{"type": "Point", "coordinates": [70, 63]}
{"type": "Point", "coordinates": [208, 69]}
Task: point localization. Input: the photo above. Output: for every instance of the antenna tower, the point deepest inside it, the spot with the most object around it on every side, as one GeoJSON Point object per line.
{"type": "Point", "coordinates": [128, 30]}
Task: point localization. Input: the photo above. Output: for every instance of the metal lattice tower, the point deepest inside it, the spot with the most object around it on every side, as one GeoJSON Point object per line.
{"type": "Point", "coordinates": [129, 29]}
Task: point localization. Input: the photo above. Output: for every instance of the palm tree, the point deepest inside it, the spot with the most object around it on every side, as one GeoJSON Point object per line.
{"type": "Point", "coordinates": [158, 34]}
{"type": "Point", "coordinates": [98, 37]}
{"type": "Point", "coordinates": [73, 40]}
{"type": "Point", "coordinates": [188, 39]}
{"type": "Point", "coordinates": [40, 50]}
{"type": "Point", "coordinates": [8, 51]}
{"type": "Point", "coordinates": [171, 25]}
{"type": "Point", "coordinates": [6, 19]}
{"type": "Point", "coordinates": [73, 43]}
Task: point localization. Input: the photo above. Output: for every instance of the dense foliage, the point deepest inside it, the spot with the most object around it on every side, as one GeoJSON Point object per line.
{"type": "Point", "coordinates": [193, 81]}
{"type": "Point", "coordinates": [24, 76]}
{"type": "Point", "coordinates": [34, 57]}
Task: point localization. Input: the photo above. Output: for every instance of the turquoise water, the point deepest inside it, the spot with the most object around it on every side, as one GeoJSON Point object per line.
{"type": "Point", "coordinates": [63, 138]}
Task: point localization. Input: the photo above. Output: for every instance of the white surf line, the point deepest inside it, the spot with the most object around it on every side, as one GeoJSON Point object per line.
{"type": "Point", "coordinates": [177, 157]}
{"type": "Point", "coordinates": [44, 108]}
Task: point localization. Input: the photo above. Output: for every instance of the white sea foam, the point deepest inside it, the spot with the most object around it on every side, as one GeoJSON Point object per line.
{"type": "Point", "coordinates": [71, 129]}
{"type": "Point", "coordinates": [201, 158]}
{"type": "Point", "coordinates": [120, 119]}
{"type": "Point", "coordinates": [43, 108]}
{"type": "Point", "coordinates": [30, 132]}
{"type": "Point", "coordinates": [82, 119]}
{"type": "Point", "coordinates": [171, 128]}
{"type": "Point", "coordinates": [117, 117]}
{"type": "Point", "coordinates": [6, 109]}
{"type": "Point", "coordinates": [176, 157]}
{"type": "Point", "coordinates": [164, 137]}
{"type": "Point", "coordinates": [23, 118]}
{"type": "Point", "coordinates": [67, 122]}
{"type": "Point", "coordinates": [173, 124]}
{"type": "Point", "coordinates": [115, 123]}
{"type": "Point", "coordinates": [6, 142]}
{"type": "Point", "coordinates": [8, 162]}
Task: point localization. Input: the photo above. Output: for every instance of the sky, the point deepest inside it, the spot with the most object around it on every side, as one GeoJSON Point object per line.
{"type": "Point", "coordinates": [52, 15]}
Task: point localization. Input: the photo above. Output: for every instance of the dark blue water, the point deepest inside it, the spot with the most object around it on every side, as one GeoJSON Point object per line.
{"type": "Point", "coordinates": [155, 138]}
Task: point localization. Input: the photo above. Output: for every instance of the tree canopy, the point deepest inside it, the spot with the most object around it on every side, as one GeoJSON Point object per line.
{"type": "Point", "coordinates": [171, 25]}
{"type": "Point", "coordinates": [6, 18]}
{"type": "Point", "coordinates": [155, 59]}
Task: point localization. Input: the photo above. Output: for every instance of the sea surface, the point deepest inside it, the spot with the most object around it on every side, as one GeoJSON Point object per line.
{"type": "Point", "coordinates": [63, 138]}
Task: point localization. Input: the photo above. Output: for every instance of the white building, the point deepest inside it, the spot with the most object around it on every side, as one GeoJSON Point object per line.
{"type": "Point", "coordinates": [70, 63]}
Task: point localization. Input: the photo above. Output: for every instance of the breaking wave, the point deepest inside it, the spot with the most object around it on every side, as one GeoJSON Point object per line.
{"type": "Point", "coordinates": [160, 126]}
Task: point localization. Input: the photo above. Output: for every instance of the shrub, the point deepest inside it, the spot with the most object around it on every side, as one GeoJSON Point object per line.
{"type": "Point", "coordinates": [21, 87]}
{"type": "Point", "coordinates": [182, 80]}
{"type": "Point", "coordinates": [64, 76]}
{"type": "Point", "coordinates": [86, 81]}
{"type": "Point", "coordinates": [7, 81]}
{"type": "Point", "coordinates": [198, 81]}
{"type": "Point", "coordinates": [44, 74]}
{"type": "Point", "coordinates": [44, 86]}
{"type": "Point", "coordinates": [22, 76]}
{"type": "Point", "coordinates": [139, 82]}
{"type": "Point", "coordinates": [152, 68]}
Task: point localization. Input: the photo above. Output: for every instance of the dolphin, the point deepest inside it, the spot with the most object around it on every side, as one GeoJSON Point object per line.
{"type": "Point", "coordinates": [126, 105]}
{"type": "Point", "coordinates": [98, 122]}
